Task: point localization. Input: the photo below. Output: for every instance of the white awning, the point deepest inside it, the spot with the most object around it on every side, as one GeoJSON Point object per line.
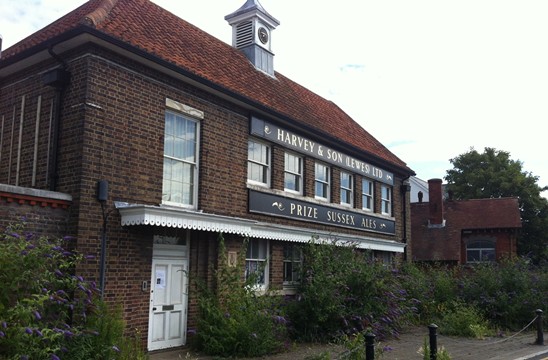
{"type": "Point", "coordinates": [165, 216]}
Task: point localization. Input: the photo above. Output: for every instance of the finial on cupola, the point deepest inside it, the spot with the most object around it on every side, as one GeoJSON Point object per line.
{"type": "Point", "coordinates": [252, 26]}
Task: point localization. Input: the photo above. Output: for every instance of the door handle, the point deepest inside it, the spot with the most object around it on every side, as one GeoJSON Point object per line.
{"type": "Point", "coordinates": [153, 309]}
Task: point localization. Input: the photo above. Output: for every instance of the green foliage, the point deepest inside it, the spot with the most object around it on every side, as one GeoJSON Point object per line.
{"type": "Point", "coordinates": [497, 295]}
{"type": "Point", "coordinates": [441, 353]}
{"type": "Point", "coordinates": [507, 292]}
{"type": "Point", "coordinates": [234, 320]}
{"type": "Point", "coordinates": [47, 312]}
{"type": "Point", "coordinates": [462, 319]}
{"type": "Point", "coordinates": [493, 174]}
{"type": "Point", "coordinates": [341, 292]}
{"type": "Point", "coordinates": [355, 348]}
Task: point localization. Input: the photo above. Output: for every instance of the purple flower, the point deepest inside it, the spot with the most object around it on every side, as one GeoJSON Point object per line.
{"type": "Point", "coordinates": [24, 252]}
{"type": "Point", "coordinates": [37, 315]}
{"type": "Point", "coordinates": [38, 332]}
{"type": "Point", "coordinates": [90, 257]}
{"type": "Point", "coordinates": [28, 331]}
{"type": "Point", "coordinates": [387, 348]}
{"type": "Point", "coordinates": [30, 246]}
{"type": "Point", "coordinates": [15, 235]}
{"type": "Point", "coordinates": [68, 237]}
{"type": "Point", "coordinates": [4, 325]}
{"type": "Point", "coordinates": [67, 253]}
{"type": "Point", "coordinates": [24, 357]}
{"type": "Point", "coordinates": [57, 248]}
{"type": "Point", "coordinates": [55, 357]}
{"type": "Point", "coordinates": [2, 334]}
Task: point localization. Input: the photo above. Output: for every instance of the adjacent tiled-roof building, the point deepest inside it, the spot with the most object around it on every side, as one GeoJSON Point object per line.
{"type": "Point", "coordinates": [156, 137]}
{"type": "Point", "coordinates": [463, 231]}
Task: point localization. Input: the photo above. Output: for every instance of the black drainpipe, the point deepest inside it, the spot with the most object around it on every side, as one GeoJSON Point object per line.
{"type": "Point", "coordinates": [405, 188]}
{"type": "Point", "coordinates": [59, 79]}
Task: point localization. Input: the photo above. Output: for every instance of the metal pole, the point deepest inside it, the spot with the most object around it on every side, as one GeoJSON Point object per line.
{"type": "Point", "coordinates": [432, 328]}
{"type": "Point", "coordinates": [540, 334]}
{"type": "Point", "coordinates": [369, 346]}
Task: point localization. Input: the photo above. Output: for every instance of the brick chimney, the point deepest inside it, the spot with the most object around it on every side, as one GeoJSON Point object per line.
{"type": "Point", "coordinates": [435, 218]}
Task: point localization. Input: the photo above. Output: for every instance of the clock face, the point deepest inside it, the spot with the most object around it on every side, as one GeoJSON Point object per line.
{"type": "Point", "coordinates": [263, 35]}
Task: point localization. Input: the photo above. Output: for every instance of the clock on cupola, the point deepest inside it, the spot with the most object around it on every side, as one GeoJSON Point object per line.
{"type": "Point", "coordinates": [252, 27]}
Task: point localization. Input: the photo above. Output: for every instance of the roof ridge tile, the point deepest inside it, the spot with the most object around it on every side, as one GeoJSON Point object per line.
{"type": "Point", "coordinates": [99, 14]}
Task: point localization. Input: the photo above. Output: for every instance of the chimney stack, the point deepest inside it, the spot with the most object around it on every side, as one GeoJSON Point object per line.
{"type": "Point", "coordinates": [435, 195]}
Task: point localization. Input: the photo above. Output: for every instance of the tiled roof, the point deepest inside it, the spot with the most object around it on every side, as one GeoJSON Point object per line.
{"type": "Point", "coordinates": [145, 25]}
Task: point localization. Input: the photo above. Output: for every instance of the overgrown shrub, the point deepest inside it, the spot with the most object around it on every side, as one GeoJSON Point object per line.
{"type": "Point", "coordinates": [462, 319]}
{"type": "Point", "coordinates": [47, 312]}
{"type": "Point", "coordinates": [343, 292]}
{"type": "Point", "coordinates": [507, 292]}
{"type": "Point", "coordinates": [234, 320]}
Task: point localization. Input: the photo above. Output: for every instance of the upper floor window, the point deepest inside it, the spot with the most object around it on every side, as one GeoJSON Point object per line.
{"type": "Point", "coordinates": [322, 181]}
{"type": "Point", "coordinates": [256, 262]}
{"type": "Point", "coordinates": [386, 200]}
{"type": "Point", "coordinates": [258, 163]}
{"type": "Point", "coordinates": [367, 194]}
{"type": "Point", "coordinates": [480, 251]}
{"type": "Point", "coordinates": [293, 173]}
{"type": "Point", "coordinates": [347, 189]}
{"type": "Point", "coordinates": [180, 160]}
{"type": "Point", "coordinates": [293, 259]}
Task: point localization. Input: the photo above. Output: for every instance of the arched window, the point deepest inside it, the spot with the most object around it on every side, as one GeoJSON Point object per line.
{"type": "Point", "coordinates": [480, 251]}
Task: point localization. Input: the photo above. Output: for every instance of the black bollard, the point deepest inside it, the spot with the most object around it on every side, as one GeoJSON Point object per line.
{"type": "Point", "coordinates": [540, 334]}
{"type": "Point", "coordinates": [369, 346]}
{"type": "Point", "coordinates": [432, 329]}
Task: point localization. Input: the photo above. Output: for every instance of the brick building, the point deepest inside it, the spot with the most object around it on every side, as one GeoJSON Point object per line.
{"type": "Point", "coordinates": [145, 138]}
{"type": "Point", "coordinates": [463, 231]}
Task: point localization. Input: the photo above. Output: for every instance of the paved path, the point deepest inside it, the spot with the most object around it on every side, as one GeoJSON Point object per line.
{"type": "Point", "coordinates": [517, 347]}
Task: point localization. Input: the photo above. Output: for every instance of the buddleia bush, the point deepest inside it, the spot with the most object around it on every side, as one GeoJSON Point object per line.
{"type": "Point", "coordinates": [46, 310]}
{"type": "Point", "coordinates": [235, 319]}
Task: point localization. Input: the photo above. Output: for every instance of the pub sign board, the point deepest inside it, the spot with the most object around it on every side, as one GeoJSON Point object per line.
{"type": "Point", "coordinates": [290, 140]}
{"type": "Point", "coordinates": [275, 205]}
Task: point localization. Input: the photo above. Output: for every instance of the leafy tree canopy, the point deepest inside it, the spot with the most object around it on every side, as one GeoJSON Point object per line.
{"type": "Point", "coordinates": [493, 174]}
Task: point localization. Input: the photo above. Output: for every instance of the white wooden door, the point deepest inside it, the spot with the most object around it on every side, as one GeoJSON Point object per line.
{"type": "Point", "coordinates": [168, 303]}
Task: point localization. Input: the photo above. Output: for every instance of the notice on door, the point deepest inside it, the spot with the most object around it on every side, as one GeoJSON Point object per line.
{"type": "Point", "coordinates": [160, 279]}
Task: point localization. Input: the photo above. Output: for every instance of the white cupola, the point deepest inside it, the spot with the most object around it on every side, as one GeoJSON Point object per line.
{"type": "Point", "coordinates": [251, 32]}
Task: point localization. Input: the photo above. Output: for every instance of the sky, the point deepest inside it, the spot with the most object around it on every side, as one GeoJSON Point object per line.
{"type": "Point", "coordinates": [430, 79]}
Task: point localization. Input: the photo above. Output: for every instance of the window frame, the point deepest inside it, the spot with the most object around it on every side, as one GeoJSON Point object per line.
{"type": "Point", "coordinates": [267, 165]}
{"type": "Point", "coordinates": [481, 249]}
{"type": "Point", "coordinates": [325, 183]}
{"type": "Point", "coordinates": [349, 190]}
{"type": "Point", "coordinates": [386, 202]}
{"type": "Point", "coordinates": [293, 260]}
{"type": "Point", "coordinates": [368, 197]}
{"type": "Point", "coordinates": [193, 194]}
{"type": "Point", "coordinates": [299, 176]}
{"type": "Point", "coordinates": [263, 262]}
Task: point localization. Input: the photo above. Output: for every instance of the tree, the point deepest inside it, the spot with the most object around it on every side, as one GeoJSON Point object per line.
{"type": "Point", "coordinates": [493, 174]}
